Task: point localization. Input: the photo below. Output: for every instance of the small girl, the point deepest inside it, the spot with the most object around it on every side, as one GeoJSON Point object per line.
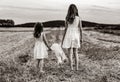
{"type": "Point", "coordinates": [41, 45]}
{"type": "Point", "coordinates": [73, 34]}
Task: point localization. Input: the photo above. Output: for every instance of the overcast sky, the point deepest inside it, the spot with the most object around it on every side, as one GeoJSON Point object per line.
{"type": "Point", "coordinates": [59, 3]}
{"type": "Point", "coordinates": [101, 11]}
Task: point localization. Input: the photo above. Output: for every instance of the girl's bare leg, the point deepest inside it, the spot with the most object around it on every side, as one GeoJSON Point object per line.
{"type": "Point", "coordinates": [37, 65]}
{"type": "Point", "coordinates": [41, 65]}
{"type": "Point", "coordinates": [75, 51]}
{"type": "Point", "coordinates": [71, 58]}
{"type": "Point", "coordinates": [38, 62]}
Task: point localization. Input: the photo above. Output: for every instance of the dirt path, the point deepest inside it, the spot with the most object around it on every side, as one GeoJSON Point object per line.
{"type": "Point", "coordinates": [106, 40]}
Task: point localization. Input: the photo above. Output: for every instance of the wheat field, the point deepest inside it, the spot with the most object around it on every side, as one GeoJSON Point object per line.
{"type": "Point", "coordinates": [99, 58]}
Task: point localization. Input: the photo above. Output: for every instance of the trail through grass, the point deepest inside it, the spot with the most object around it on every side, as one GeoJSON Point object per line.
{"type": "Point", "coordinates": [97, 63]}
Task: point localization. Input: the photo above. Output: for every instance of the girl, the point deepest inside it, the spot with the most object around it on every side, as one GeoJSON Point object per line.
{"type": "Point", "coordinates": [41, 45]}
{"type": "Point", "coordinates": [73, 34]}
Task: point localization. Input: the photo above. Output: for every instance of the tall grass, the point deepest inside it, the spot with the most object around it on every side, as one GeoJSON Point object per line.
{"type": "Point", "coordinates": [96, 64]}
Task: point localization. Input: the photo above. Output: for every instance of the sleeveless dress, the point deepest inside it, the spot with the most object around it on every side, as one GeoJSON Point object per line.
{"type": "Point", "coordinates": [72, 36]}
{"type": "Point", "coordinates": [40, 49]}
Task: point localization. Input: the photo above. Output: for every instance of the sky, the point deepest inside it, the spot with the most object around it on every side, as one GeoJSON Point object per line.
{"type": "Point", "coordinates": [59, 3]}
{"type": "Point", "coordinates": [101, 11]}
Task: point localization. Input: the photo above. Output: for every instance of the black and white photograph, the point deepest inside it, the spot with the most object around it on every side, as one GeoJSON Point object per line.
{"type": "Point", "coordinates": [59, 40]}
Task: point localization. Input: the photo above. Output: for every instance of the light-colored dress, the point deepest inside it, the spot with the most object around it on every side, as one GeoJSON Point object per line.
{"type": "Point", "coordinates": [40, 49]}
{"type": "Point", "coordinates": [72, 36]}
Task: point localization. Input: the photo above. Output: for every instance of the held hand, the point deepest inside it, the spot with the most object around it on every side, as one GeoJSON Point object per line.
{"type": "Point", "coordinates": [61, 44]}
{"type": "Point", "coordinates": [81, 41]}
{"type": "Point", "coordinates": [50, 49]}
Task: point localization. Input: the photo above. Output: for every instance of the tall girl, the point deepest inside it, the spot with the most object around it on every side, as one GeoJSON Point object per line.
{"type": "Point", "coordinates": [41, 45]}
{"type": "Point", "coordinates": [72, 38]}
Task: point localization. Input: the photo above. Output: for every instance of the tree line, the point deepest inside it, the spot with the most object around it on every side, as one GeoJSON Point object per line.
{"type": "Point", "coordinates": [58, 23]}
{"type": "Point", "coordinates": [6, 23]}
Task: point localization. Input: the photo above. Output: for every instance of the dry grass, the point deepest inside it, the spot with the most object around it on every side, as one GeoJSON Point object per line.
{"type": "Point", "coordinates": [97, 62]}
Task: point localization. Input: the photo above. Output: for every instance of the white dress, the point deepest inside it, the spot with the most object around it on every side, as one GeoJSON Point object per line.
{"type": "Point", "coordinates": [40, 49]}
{"type": "Point", "coordinates": [72, 36]}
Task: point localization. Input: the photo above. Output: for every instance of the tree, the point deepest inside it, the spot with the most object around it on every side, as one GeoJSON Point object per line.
{"type": "Point", "coordinates": [6, 23]}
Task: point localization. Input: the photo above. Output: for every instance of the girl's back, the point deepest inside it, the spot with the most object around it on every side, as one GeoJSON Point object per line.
{"type": "Point", "coordinates": [75, 22]}
{"type": "Point", "coordinates": [40, 50]}
{"type": "Point", "coordinates": [40, 39]}
{"type": "Point", "coordinates": [72, 36]}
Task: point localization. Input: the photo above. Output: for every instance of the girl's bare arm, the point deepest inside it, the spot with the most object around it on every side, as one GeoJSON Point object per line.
{"type": "Point", "coordinates": [80, 26]}
{"type": "Point", "coordinates": [66, 25]}
{"type": "Point", "coordinates": [46, 42]}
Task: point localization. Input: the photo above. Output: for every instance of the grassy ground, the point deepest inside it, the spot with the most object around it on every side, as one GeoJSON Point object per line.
{"type": "Point", "coordinates": [99, 61]}
{"type": "Point", "coordinates": [106, 30]}
{"type": "Point", "coordinates": [110, 31]}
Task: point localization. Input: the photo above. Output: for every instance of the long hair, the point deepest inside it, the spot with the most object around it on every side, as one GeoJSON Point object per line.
{"type": "Point", "coordinates": [38, 29]}
{"type": "Point", "coordinates": [72, 12]}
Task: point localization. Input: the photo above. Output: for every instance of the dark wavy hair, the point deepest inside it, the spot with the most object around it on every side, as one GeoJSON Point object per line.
{"type": "Point", "coordinates": [38, 28]}
{"type": "Point", "coordinates": [72, 12]}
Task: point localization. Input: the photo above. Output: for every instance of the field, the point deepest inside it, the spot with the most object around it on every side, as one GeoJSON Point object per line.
{"type": "Point", "coordinates": [99, 58]}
